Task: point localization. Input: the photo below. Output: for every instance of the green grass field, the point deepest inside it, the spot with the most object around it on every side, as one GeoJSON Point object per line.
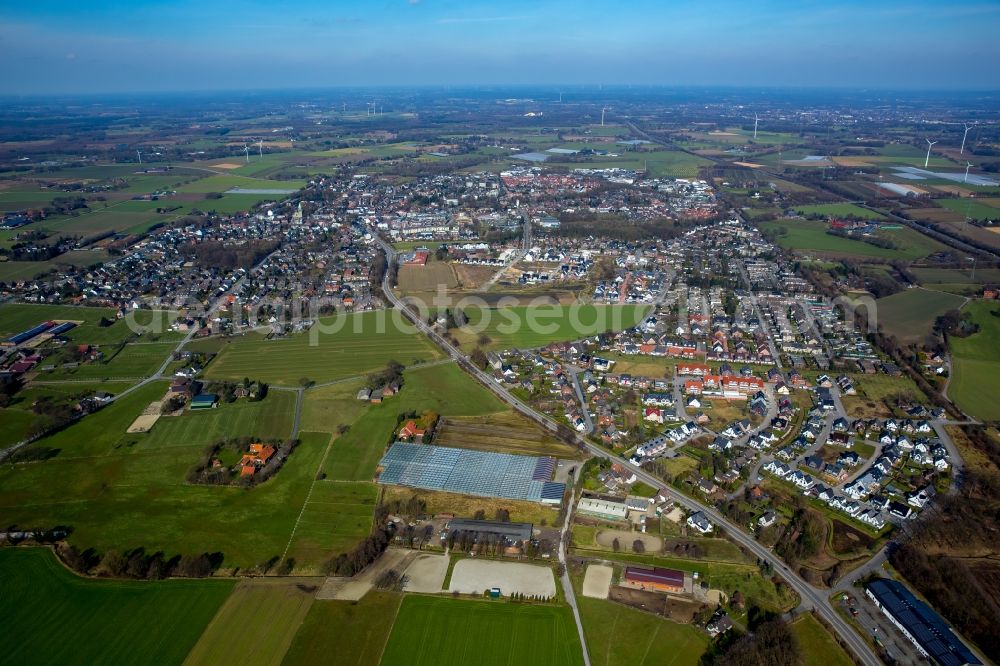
{"type": "Point", "coordinates": [269, 418]}
{"type": "Point", "coordinates": [434, 630]}
{"type": "Point", "coordinates": [818, 647]}
{"type": "Point", "coordinates": [956, 276]}
{"type": "Point", "coordinates": [660, 163]}
{"type": "Point", "coordinates": [976, 361]}
{"type": "Point", "coordinates": [134, 361]}
{"type": "Point", "coordinates": [534, 326]}
{"type": "Point", "coordinates": [59, 618]}
{"type": "Point", "coordinates": [17, 317]}
{"type": "Point", "coordinates": [326, 408]}
{"type": "Point", "coordinates": [808, 235]}
{"type": "Point", "coordinates": [255, 625]}
{"type": "Point", "coordinates": [125, 491]}
{"type": "Point", "coordinates": [355, 632]}
{"type": "Point", "coordinates": [910, 314]}
{"type": "Point", "coordinates": [356, 344]}
{"type": "Point", "coordinates": [445, 389]}
{"type": "Point", "coordinates": [969, 208]}
{"type": "Point", "coordinates": [336, 515]}
{"type": "Point", "coordinates": [621, 636]}
{"type": "Point", "coordinates": [840, 210]}
{"type": "Point", "coordinates": [14, 425]}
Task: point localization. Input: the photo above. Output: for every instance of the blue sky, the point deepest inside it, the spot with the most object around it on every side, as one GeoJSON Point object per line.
{"type": "Point", "coordinates": [57, 46]}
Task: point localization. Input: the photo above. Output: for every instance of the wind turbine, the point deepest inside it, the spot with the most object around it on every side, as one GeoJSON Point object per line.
{"type": "Point", "coordinates": [139, 153]}
{"type": "Point", "coordinates": [260, 146]}
{"type": "Point", "coordinates": [968, 165]}
{"type": "Point", "coordinates": [964, 136]}
{"type": "Point", "coordinates": [927, 159]}
{"type": "Point", "coordinates": [603, 109]}
{"type": "Point", "coordinates": [560, 96]}
{"type": "Point", "coordinates": [755, 121]}
{"type": "Point", "coordinates": [246, 149]}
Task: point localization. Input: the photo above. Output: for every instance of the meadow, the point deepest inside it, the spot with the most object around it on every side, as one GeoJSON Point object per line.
{"type": "Point", "coordinates": [972, 209]}
{"type": "Point", "coordinates": [621, 636]}
{"type": "Point", "coordinates": [910, 314]}
{"type": "Point", "coordinates": [976, 363]}
{"type": "Point", "coordinates": [269, 611]}
{"type": "Point", "coordinates": [148, 325]}
{"type": "Point", "coordinates": [954, 275]}
{"type": "Point", "coordinates": [356, 344]}
{"type": "Point", "coordinates": [434, 630]}
{"type": "Point", "coordinates": [444, 389]}
{"type": "Point", "coordinates": [817, 646]}
{"type": "Point", "coordinates": [133, 361]}
{"type": "Point", "coordinates": [125, 491]}
{"type": "Point", "coordinates": [808, 235]}
{"type": "Point", "coordinates": [659, 163]}
{"type": "Point", "coordinates": [840, 210]}
{"type": "Point", "coordinates": [59, 618]}
{"type": "Point", "coordinates": [534, 326]}
{"type": "Point", "coordinates": [362, 629]}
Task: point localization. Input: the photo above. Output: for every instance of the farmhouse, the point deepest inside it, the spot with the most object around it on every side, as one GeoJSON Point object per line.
{"type": "Point", "coordinates": [410, 431]}
{"type": "Point", "coordinates": [257, 457]}
{"type": "Point", "coordinates": [656, 579]}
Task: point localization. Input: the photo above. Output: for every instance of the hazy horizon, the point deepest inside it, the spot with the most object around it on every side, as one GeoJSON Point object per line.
{"type": "Point", "coordinates": [111, 46]}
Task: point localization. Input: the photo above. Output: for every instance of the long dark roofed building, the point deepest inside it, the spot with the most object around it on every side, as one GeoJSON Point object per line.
{"type": "Point", "coordinates": [509, 531]}
{"type": "Point", "coordinates": [920, 623]}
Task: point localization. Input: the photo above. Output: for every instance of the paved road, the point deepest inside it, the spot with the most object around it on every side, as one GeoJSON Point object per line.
{"type": "Point", "coordinates": [764, 323]}
{"type": "Point", "coordinates": [812, 597]}
{"type": "Point", "coordinates": [567, 584]}
{"type": "Point", "coordinates": [574, 373]}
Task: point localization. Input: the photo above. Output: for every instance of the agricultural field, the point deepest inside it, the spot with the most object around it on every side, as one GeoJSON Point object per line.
{"type": "Point", "coordinates": [269, 611]}
{"type": "Point", "coordinates": [506, 432]}
{"type": "Point", "coordinates": [976, 363]}
{"type": "Point", "coordinates": [468, 505]}
{"type": "Point", "coordinates": [119, 491]}
{"type": "Point", "coordinates": [59, 618]}
{"type": "Point", "coordinates": [621, 636]}
{"type": "Point", "coordinates": [659, 163]}
{"type": "Point", "coordinates": [433, 630]}
{"type": "Point", "coordinates": [840, 210]}
{"type": "Point", "coordinates": [327, 408]}
{"type": "Point", "coordinates": [817, 646]}
{"type": "Point", "coordinates": [934, 276]}
{"type": "Point", "coordinates": [427, 278]}
{"type": "Point", "coordinates": [335, 348]}
{"type": "Point", "coordinates": [971, 209]}
{"type": "Point", "coordinates": [270, 418]}
{"type": "Point", "coordinates": [811, 236]}
{"type": "Point", "coordinates": [534, 326]}
{"type": "Point", "coordinates": [362, 629]}
{"type": "Point", "coordinates": [133, 361]}
{"type": "Point", "coordinates": [17, 317]}
{"type": "Point", "coordinates": [910, 314]}
{"type": "Point", "coordinates": [444, 389]}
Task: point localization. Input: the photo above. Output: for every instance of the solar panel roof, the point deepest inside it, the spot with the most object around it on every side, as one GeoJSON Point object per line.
{"type": "Point", "coordinates": [470, 472]}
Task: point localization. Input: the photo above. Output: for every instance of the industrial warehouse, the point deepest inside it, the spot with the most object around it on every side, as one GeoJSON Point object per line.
{"type": "Point", "coordinates": [471, 472]}
{"type": "Point", "coordinates": [920, 624]}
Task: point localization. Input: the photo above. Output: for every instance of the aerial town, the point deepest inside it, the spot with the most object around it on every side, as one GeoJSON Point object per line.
{"type": "Point", "coordinates": [609, 374]}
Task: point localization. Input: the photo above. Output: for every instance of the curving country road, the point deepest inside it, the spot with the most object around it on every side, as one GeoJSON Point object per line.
{"type": "Point", "coordinates": [812, 597]}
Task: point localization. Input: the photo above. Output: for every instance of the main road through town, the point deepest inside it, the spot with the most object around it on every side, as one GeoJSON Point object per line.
{"type": "Point", "coordinates": [812, 597]}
